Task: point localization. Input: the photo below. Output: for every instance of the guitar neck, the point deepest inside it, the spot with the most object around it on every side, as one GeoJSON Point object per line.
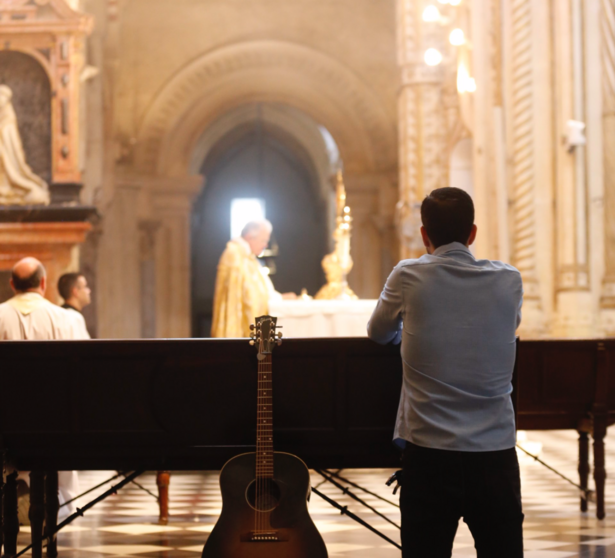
{"type": "Point", "coordinates": [264, 428]}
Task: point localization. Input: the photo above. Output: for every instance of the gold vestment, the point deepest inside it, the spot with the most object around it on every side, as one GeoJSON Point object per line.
{"type": "Point", "coordinates": [242, 291]}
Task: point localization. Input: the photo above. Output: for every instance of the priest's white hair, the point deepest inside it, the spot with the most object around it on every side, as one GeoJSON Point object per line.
{"type": "Point", "coordinates": [254, 227]}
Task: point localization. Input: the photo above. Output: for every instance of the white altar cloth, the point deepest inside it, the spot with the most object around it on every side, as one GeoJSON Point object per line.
{"type": "Point", "coordinates": [323, 318]}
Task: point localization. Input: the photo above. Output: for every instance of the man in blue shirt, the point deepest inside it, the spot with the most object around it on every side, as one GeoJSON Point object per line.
{"type": "Point", "coordinates": [456, 318]}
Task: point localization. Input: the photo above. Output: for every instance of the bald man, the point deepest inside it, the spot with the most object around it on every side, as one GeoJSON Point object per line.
{"type": "Point", "coordinates": [243, 287]}
{"type": "Point", "coordinates": [29, 315]}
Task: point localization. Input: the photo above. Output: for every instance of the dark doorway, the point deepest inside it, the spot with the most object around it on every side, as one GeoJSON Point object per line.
{"type": "Point", "coordinates": [258, 163]}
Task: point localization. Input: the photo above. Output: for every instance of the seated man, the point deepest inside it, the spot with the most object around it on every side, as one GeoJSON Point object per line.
{"type": "Point", "coordinates": [73, 288]}
{"type": "Point", "coordinates": [456, 318]}
{"type": "Point", "coordinates": [243, 286]}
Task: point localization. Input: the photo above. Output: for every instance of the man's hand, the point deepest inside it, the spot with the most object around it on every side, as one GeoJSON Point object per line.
{"type": "Point", "coordinates": [289, 296]}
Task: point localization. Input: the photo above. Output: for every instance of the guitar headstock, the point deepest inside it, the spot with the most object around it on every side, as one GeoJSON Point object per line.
{"type": "Point", "coordinates": [264, 334]}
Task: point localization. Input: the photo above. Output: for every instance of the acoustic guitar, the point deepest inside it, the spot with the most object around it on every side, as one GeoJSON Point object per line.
{"type": "Point", "coordinates": [265, 494]}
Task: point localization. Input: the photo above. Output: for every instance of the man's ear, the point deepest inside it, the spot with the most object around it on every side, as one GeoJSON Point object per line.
{"type": "Point", "coordinates": [44, 283]}
{"type": "Point", "coordinates": [426, 241]}
{"type": "Point", "coordinates": [472, 236]}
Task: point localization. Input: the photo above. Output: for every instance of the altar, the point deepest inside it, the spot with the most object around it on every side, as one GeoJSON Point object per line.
{"type": "Point", "coordinates": [323, 318]}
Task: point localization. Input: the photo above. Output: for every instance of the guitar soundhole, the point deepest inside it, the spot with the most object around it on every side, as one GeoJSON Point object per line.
{"type": "Point", "coordinates": [263, 495]}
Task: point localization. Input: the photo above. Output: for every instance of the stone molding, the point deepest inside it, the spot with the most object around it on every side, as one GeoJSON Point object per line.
{"type": "Point", "coordinates": [298, 65]}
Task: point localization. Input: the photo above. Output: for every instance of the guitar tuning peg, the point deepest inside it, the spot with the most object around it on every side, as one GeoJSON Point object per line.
{"type": "Point", "coordinates": [279, 335]}
{"type": "Point", "coordinates": [251, 326]}
{"type": "Point", "coordinates": [252, 342]}
{"type": "Point", "coordinates": [278, 342]}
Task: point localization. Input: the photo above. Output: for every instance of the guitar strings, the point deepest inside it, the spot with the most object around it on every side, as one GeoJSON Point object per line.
{"type": "Point", "coordinates": [264, 499]}
{"type": "Point", "coordinates": [258, 440]}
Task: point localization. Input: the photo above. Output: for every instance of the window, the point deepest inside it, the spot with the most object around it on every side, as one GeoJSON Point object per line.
{"type": "Point", "coordinates": [244, 210]}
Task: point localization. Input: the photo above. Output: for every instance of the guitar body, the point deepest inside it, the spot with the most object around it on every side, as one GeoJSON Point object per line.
{"type": "Point", "coordinates": [293, 533]}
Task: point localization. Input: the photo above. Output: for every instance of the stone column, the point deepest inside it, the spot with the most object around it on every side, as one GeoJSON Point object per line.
{"type": "Point", "coordinates": [172, 200]}
{"type": "Point", "coordinates": [575, 312]}
{"type": "Point", "coordinates": [372, 200]}
{"type": "Point", "coordinates": [422, 128]}
{"type": "Point", "coordinates": [147, 242]}
{"type": "Point", "coordinates": [608, 137]}
{"type": "Point", "coordinates": [119, 291]}
{"type": "Point", "coordinates": [522, 121]}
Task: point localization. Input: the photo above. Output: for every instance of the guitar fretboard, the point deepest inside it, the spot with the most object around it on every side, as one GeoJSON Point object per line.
{"type": "Point", "coordinates": [264, 428]}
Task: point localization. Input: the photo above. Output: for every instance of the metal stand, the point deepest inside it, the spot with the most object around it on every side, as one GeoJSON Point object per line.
{"type": "Point", "coordinates": [344, 509]}
{"type": "Point", "coordinates": [39, 543]}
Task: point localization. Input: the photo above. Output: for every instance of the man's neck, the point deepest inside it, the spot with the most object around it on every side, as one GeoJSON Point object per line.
{"type": "Point", "coordinates": [31, 291]}
{"type": "Point", "coordinates": [73, 304]}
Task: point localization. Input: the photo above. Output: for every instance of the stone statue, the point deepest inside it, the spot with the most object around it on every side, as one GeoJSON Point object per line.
{"type": "Point", "coordinates": [18, 184]}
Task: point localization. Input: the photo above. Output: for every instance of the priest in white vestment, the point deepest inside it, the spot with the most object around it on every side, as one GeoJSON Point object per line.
{"type": "Point", "coordinates": [30, 316]}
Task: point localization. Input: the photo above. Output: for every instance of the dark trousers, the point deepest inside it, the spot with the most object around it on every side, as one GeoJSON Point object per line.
{"type": "Point", "coordinates": [439, 487]}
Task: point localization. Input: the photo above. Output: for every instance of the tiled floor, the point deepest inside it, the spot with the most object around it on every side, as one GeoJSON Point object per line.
{"type": "Point", "coordinates": [124, 526]}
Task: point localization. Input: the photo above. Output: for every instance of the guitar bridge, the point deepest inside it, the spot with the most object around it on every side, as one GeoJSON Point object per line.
{"type": "Point", "coordinates": [264, 536]}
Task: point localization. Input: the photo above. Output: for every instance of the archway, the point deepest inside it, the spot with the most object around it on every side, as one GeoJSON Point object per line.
{"type": "Point", "coordinates": [276, 154]}
{"type": "Point", "coordinates": [213, 90]}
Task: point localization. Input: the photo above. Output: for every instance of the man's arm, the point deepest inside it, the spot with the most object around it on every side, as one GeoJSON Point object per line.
{"type": "Point", "coordinates": [385, 325]}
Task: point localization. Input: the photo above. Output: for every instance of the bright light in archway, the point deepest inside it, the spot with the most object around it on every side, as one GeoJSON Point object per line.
{"type": "Point", "coordinates": [244, 210]}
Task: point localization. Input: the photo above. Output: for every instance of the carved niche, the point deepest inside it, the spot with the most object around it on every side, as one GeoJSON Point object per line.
{"type": "Point", "coordinates": [52, 33]}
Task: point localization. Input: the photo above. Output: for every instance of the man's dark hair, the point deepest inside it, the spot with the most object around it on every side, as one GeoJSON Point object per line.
{"type": "Point", "coordinates": [448, 216]}
{"type": "Point", "coordinates": [66, 283]}
{"type": "Point", "coordinates": [32, 281]}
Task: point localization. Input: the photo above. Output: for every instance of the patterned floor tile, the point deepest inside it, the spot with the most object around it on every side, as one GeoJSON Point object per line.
{"type": "Point", "coordinates": [125, 525]}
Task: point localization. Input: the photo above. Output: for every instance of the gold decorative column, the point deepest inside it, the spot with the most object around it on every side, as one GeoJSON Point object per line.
{"type": "Point", "coordinates": [422, 125]}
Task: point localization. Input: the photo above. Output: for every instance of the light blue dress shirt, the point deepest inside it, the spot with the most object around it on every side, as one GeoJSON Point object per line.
{"type": "Point", "coordinates": [456, 317]}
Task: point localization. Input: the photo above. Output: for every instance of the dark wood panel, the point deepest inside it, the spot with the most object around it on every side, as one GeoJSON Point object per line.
{"type": "Point", "coordinates": [186, 404]}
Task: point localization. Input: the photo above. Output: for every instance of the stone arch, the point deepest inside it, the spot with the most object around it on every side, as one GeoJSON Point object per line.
{"type": "Point", "coordinates": [272, 72]}
{"type": "Point", "coordinates": [297, 127]}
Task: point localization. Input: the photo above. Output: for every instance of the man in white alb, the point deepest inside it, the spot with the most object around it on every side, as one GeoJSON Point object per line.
{"type": "Point", "coordinates": [29, 316]}
{"type": "Point", "coordinates": [73, 288]}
